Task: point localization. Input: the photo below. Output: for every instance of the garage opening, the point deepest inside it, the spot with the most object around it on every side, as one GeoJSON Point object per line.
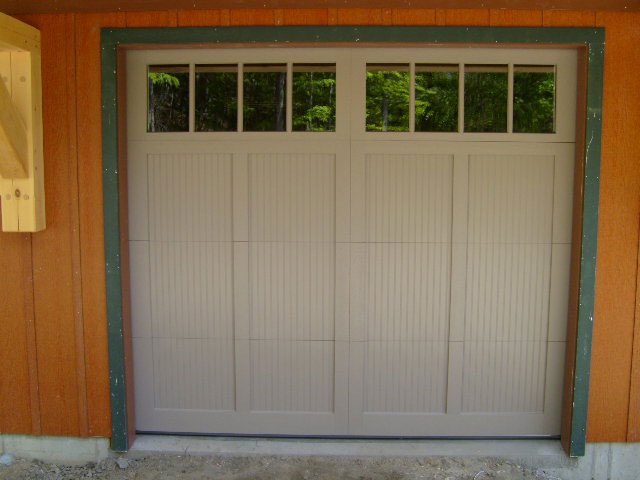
{"type": "Point", "coordinates": [350, 241]}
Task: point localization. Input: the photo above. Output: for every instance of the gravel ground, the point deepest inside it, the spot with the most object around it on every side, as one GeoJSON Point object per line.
{"type": "Point", "coordinates": [167, 467]}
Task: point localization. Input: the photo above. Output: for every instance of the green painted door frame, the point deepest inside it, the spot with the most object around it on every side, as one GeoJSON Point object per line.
{"type": "Point", "coordinates": [590, 38]}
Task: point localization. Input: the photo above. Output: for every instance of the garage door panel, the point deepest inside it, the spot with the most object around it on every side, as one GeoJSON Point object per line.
{"type": "Point", "coordinates": [137, 193]}
{"type": "Point", "coordinates": [140, 274]}
{"type": "Point", "coordinates": [559, 294]}
{"type": "Point", "coordinates": [405, 376]}
{"type": "Point", "coordinates": [408, 197]}
{"type": "Point", "coordinates": [292, 376]}
{"type": "Point", "coordinates": [292, 290]}
{"type": "Point", "coordinates": [292, 197]}
{"type": "Point", "coordinates": [193, 374]}
{"type": "Point", "coordinates": [563, 194]}
{"type": "Point", "coordinates": [191, 287]}
{"type": "Point", "coordinates": [407, 291]}
{"type": "Point", "coordinates": [510, 198]}
{"type": "Point", "coordinates": [507, 292]}
{"type": "Point", "coordinates": [197, 180]}
{"type": "Point", "coordinates": [464, 425]}
{"type": "Point", "coordinates": [504, 376]}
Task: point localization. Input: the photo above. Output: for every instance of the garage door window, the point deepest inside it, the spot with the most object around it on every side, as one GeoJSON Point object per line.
{"type": "Point", "coordinates": [168, 106]}
{"type": "Point", "coordinates": [216, 98]}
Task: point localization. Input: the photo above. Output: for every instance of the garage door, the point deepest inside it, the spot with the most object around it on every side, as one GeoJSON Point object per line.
{"type": "Point", "coordinates": [350, 241]}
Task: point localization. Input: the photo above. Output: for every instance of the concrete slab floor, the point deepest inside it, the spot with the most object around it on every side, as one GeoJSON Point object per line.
{"type": "Point", "coordinates": [608, 461]}
{"type": "Point", "coordinates": [176, 457]}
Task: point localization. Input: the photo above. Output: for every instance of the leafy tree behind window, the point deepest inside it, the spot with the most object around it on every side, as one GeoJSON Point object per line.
{"type": "Point", "coordinates": [534, 102]}
{"type": "Point", "coordinates": [387, 101]}
{"type": "Point", "coordinates": [168, 109]}
{"type": "Point", "coordinates": [314, 101]}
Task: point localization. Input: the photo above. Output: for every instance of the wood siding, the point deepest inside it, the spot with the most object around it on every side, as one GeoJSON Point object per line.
{"type": "Point", "coordinates": [53, 333]}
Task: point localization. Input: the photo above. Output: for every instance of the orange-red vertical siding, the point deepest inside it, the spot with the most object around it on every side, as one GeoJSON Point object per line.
{"type": "Point", "coordinates": [53, 344]}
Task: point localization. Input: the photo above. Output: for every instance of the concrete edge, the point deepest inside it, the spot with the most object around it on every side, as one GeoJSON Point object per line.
{"type": "Point", "coordinates": [64, 450]}
{"type": "Point", "coordinates": [603, 461]}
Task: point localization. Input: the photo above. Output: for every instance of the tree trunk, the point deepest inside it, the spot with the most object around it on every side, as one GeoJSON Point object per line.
{"type": "Point", "coordinates": [385, 110]}
{"type": "Point", "coordinates": [310, 128]}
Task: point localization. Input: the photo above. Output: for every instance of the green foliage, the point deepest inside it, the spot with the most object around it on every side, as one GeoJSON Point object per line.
{"type": "Point", "coordinates": [159, 78]}
{"type": "Point", "coordinates": [314, 101]}
{"type": "Point", "coordinates": [265, 96]}
{"type": "Point", "coordinates": [387, 101]}
{"type": "Point", "coordinates": [485, 102]}
{"type": "Point", "coordinates": [436, 102]}
{"type": "Point", "coordinates": [534, 102]}
{"type": "Point", "coordinates": [168, 102]}
{"type": "Point", "coordinates": [216, 101]}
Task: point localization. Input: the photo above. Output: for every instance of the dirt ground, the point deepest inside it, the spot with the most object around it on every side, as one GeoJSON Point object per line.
{"type": "Point", "coordinates": [168, 467]}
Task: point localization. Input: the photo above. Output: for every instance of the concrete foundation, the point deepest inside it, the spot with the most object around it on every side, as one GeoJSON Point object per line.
{"type": "Point", "coordinates": [603, 461]}
{"type": "Point", "coordinates": [66, 450]}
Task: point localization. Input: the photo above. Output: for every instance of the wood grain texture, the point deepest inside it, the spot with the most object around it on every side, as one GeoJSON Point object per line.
{"type": "Point", "coordinates": [557, 18]}
{"type": "Point", "coordinates": [413, 16]}
{"type": "Point", "coordinates": [82, 6]}
{"type": "Point", "coordinates": [30, 325]}
{"type": "Point", "coordinates": [621, 100]}
{"type": "Point", "coordinates": [617, 232]}
{"type": "Point", "coordinates": [253, 17]}
{"type": "Point", "coordinates": [199, 18]}
{"type": "Point", "coordinates": [387, 16]}
{"type": "Point", "coordinates": [91, 213]}
{"type": "Point", "coordinates": [308, 16]}
{"type": "Point", "coordinates": [15, 387]}
{"type": "Point", "coordinates": [359, 16]}
{"type": "Point", "coordinates": [467, 17]}
{"type": "Point", "coordinates": [76, 270]}
{"type": "Point", "coordinates": [332, 16]}
{"type": "Point", "coordinates": [52, 256]}
{"type": "Point", "coordinates": [633, 422]}
{"type": "Point", "coordinates": [159, 18]}
{"type": "Point", "coordinates": [515, 18]}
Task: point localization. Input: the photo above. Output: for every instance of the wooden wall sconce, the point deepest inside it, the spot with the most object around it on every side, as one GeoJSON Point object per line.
{"type": "Point", "coordinates": [21, 152]}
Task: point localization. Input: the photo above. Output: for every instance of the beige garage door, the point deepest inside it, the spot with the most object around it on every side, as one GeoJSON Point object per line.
{"type": "Point", "coordinates": [350, 241]}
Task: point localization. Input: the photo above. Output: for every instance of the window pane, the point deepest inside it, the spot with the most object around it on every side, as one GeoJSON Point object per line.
{"type": "Point", "coordinates": [436, 98]}
{"type": "Point", "coordinates": [534, 107]}
{"type": "Point", "coordinates": [265, 98]}
{"type": "Point", "coordinates": [485, 98]}
{"type": "Point", "coordinates": [387, 98]}
{"type": "Point", "coordinates": [168, 107]}
{"type": "Point", "coordinates": [216, 98]}
{"type": "Point", "coordinates": [314, 98]}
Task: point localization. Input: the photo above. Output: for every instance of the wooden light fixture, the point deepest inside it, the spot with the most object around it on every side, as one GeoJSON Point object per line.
{"type": "Point", "coordinates": [21, 153]}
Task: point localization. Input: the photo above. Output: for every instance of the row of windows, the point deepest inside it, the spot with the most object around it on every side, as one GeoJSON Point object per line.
{"type": "Point", "coordinates": [399, 98]}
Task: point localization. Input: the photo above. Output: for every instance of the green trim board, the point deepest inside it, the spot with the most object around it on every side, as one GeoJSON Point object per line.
{"type": "Point", "coordinates": [592, 38]}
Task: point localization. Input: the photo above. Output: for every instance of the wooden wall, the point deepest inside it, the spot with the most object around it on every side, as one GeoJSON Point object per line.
{"type": "Point", "coordinates": [53, 344]}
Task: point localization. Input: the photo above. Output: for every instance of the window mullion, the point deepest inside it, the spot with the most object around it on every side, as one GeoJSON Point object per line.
{"type": "Point", "coordinates": [240, 96]}
{"type": "Point", "coordinates": [289, 97]}
{"type": "Point", "coordinates": [461, 97]}
{"type": "Point", "coordinates": [412, 97]}
{"type": "Point", "coordinates": [192, 97]}
{"type": "Point", "coordinates": [510, 99]}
